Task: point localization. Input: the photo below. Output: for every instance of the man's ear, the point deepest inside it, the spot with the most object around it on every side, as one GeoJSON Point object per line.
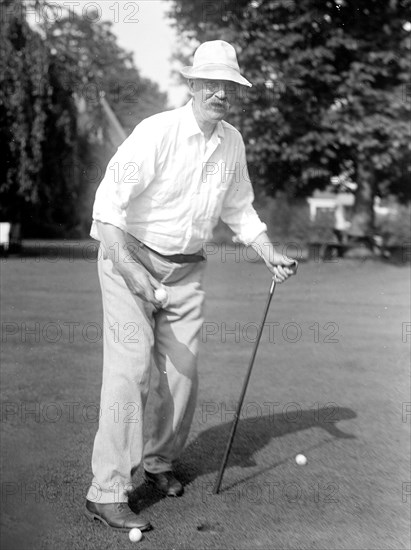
{"type": "Point", "coordinates": [190, 83]}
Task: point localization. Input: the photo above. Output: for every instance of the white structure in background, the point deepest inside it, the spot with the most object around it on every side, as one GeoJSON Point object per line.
{"type": "Point", "coordinates": [340, 203]}
{"type": "Point", "coordinates": [5, 228]}
{"type": "Point", "coordinates": [10, 238]}
{"type": "Point", "coordinates": [327, 200]}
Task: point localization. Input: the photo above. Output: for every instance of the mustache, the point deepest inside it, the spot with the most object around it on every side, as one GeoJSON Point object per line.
{"type": "Point", "coordinates": [222, 103]}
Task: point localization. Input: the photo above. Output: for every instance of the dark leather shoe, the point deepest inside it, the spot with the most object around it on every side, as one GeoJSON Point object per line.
{"type": "Point", "coordinates": [117, 516]}
{"type": "Point", "coordinates": [166, 483]}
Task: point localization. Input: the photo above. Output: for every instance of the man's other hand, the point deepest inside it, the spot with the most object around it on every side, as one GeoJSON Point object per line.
{"type": "Point", "coordinates": [115, 247]}
{"type": "Point", "coordinates": [139, 281]}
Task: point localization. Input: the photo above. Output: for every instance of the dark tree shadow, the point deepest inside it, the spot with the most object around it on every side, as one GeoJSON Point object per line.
{"type": "Point", "coordinates": [203, 455]}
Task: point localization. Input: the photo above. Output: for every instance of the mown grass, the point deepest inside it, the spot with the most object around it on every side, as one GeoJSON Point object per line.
{"type": "Point", "coordinates": [330, 380]}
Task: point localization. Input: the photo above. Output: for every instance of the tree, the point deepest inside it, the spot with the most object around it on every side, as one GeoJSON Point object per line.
{"type": "Point", "coordinates": [330, 91]}
{"type": "Point", "coordinates": [53, 131]}
{"type": "Point", "coordinates": [24, 100]}
{"type": "Point", "coordinates": [88, 61]}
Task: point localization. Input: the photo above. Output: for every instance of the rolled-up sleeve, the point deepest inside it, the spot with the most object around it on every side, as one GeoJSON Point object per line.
{"type": "Point", "coordinates": [128, 173]}
{"type": "Point", "coordinates": [238, 211]}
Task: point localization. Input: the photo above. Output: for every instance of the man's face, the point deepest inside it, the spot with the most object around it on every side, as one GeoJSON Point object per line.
{"type": "Point", "coordinates": [213, 98]}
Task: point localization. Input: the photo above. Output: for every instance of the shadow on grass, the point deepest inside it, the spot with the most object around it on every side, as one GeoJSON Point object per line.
{"type": "Point", "coordinates": [204, 454]}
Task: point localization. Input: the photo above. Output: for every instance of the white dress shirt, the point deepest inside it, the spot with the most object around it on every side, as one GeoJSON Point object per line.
{"type": "Point", "coordinates": [168, 187]}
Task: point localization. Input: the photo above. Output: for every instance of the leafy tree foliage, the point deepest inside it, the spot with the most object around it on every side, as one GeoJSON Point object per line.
{"type": "Point", "coordinates": [23, 75]}
{"type": "Point", "coordinates": [53, 133]}
{"type": "Point", "coordinates": [331, 90]}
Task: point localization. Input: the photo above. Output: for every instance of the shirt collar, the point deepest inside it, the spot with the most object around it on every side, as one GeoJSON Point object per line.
{"type": "Point", "coordinates": [191, 127]}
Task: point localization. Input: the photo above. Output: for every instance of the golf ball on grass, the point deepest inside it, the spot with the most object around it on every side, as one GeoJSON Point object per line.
{"type": "Point", "coordinates": [301, 460]}
{"type": "Point", "coordinates": [161, 295]}
{"type": "Point", "coordinates": [135, 535]}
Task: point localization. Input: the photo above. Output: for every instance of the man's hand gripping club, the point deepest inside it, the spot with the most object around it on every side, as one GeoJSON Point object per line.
{"type": "Point", "coordinates": [282, 267]}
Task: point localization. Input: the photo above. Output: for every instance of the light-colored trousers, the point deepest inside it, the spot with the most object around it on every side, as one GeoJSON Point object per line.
{"type": "Point", "coordinates": [136, 338]}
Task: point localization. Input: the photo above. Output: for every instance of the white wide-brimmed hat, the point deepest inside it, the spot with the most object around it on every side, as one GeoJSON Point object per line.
{"type": "Point", "coordinates": [215, 60]}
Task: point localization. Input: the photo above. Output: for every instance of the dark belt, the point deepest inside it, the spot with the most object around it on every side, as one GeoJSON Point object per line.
{"type": "Point", "coordinates": [178, 258]}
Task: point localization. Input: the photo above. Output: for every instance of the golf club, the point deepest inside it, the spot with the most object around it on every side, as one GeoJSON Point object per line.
{"type": "Point", "coordinates": [220, 474]}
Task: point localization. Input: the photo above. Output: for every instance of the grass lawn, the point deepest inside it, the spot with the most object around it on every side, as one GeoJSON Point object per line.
{"type": "Point", "coordinates": [331, 380]}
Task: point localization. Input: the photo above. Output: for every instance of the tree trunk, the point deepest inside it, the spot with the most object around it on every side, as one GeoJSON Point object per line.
{"type": "Point", "coordinates": [362, 222]}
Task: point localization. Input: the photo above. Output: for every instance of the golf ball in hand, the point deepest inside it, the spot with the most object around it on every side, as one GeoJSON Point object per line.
{"type": "Point", "coordinates": [301, 460]}
{"type": "Point", "coordinates": [135, 535]}
{"type": "Point", "coordinates": [161, 295]}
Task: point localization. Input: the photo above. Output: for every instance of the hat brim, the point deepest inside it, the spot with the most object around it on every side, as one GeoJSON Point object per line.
{"type": "Point", "coordinates": [215, 72]}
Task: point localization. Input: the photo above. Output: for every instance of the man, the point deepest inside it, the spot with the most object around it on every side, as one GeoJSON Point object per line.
{"type": "Point", "coordinates": [162, 194]}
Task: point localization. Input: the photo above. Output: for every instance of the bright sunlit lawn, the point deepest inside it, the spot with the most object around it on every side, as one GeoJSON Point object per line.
{"type": "Point", "coordinates": [331, 380]}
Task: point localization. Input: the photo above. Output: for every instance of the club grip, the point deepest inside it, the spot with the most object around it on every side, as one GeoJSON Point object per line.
{"type": "Point", "coordinates": [294, 266]}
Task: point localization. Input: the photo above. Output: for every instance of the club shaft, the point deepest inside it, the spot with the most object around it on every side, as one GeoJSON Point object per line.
{"type": "Point", "coordinates": [243, 391]}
